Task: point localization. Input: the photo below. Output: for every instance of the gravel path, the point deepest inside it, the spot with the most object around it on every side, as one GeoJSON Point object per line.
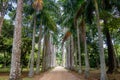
{"type": "Point", "coordinates": [58, 73]}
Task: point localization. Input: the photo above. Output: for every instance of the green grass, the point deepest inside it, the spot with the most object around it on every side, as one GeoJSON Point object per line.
{"type": "Point", "coordinates": [5, 75]}
{"type": "Point", "coordinates": [6, 78]}
{"type": "Point", "coordinates": [4, 69]}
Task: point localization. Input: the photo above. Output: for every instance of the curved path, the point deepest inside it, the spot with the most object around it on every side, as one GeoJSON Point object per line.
{"type": "Point", "coordinates": [58, 73]}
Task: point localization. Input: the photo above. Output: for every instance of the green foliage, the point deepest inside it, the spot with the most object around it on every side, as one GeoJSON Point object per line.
{"type": "Point", "coordinates": [25, 50]}
{"type": "Point", "coordinates": [7, 29]}
{"type": "Point", "coordinates": [59, 58]}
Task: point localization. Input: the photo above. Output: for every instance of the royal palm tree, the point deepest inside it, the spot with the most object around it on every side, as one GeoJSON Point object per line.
{"type": "Point", "coordinates": [44, 16]}
{"type": "Point", "coordinates": [15, 72]}
{"type": "Point", "coordinates": [37, 5]}
{"type": "Point", "coordinates": [101, 49]}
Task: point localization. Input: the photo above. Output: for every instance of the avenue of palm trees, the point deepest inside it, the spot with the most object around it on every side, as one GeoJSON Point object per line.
{"type": "Point", "coordinates": [79, 35]}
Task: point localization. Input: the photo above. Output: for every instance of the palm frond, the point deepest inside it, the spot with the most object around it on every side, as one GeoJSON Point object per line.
{"type": "Point", "coordinates": [48, 21]}
{"type": "Point", "coordinates": [38, 5]}
{"type": "Point", "coordinates": [66, 36]}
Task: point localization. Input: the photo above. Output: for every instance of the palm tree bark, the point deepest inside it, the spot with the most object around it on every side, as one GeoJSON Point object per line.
{"type": "Point", "coordinates": [15, 72]}
{"type": "Point", "coordinates": [54, 62]}
{"type": "Point", "coordinates": [101, 50]}
{"type": "Point", "coordinates": [63, 56]}
{"type": "Point", "coordinates": [111, 54]}
{"type": "Point", "coordinates": [87, 67]}
{"type": "Point", "coordinates": [39, 50]}
{"type": "Point", "coordinates": [79, 49]}
{"type": "Point", "coordinates": [43, 56]}
{"type": "Point", "coordinates": [31, 72]}
{"type": "Point", "coordinates": [72, 53]}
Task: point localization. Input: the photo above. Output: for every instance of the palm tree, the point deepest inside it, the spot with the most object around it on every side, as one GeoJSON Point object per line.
{"type": "Point", "coordinates": [37, 5]}
{"type": "Point", "coordinates": [81, 13]}
{"type": "Point", "coordinates": [83, 30]}
{"type": "Point", "coordinates": [106, 7]}
{"type": "Point", "coordinates": [31, 72]}
{"type": "Point", "coordinates": [79, 48]}
{"type": "Point", "coordinates": [68, 20]}
{"type": "Point", "coordinates": [15, 72]}
{"type": "Point", "coordinates": [39, 50]}
{"type": "Point", "coordinates": [101, 50]}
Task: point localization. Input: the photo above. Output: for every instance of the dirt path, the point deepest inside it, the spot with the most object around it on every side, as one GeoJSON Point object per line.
{"type": "Point", "coordinates": [58, 73]}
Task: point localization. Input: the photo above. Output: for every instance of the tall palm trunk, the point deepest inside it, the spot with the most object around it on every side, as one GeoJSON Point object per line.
{"type": "Point", "coordinates": [75, 54]}
{"type": "Point", "coordinates": [111, 54]}
{"type": "Point", "coordinates": [54, 63]}
{"type": "Point", "coordinates": [101, 50]}
{"type": "Point", "coordinates": [79, 49]}
{"type": "Point", "coordinates": [39, 50]}
{"type": "Point", "coordinates": [72, 53]}
{"type": "Point", "coordinates": [1, 23]}
{"type": "Point", "coordinates": [63, 56]}
{"type": "Point", "coordinates": [15, 72]}
{"type": "Point", "coordinates": [31, 72]}
{"type": "Point", "coordinates": [69, 55]}
{"type": "Point", "coordinates": [43, 56]}
{"type": "Point", "coordinates": [85, 49]}
{"type": "Point", "coordinates": [46, 57]}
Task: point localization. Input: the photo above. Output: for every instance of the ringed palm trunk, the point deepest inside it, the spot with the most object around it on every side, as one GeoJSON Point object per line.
{"type": "Point", "coordinates": [31, 72]}
{"type": "Point", "coordinates": [15, 72]}
{"type": "Point", "coordinates": [79, 49]}
{"type": "Point", "coordinates": [39, 51]}
{"type": "Point", "coordinates": [101, 50]}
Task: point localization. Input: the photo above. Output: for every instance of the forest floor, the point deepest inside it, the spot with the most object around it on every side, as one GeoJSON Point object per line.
{"type": "Point", "coordinates": [59, 73]}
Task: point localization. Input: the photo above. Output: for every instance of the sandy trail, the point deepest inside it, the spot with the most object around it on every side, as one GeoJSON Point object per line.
{"type": "Point", "coordinates": [58, 73]}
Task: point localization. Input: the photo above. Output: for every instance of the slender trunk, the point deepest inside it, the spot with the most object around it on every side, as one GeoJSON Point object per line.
{"type": "Point", "coordinates": [45, 52]}
{"type": "Point", "coordinates": [63, 56]}
{"type": "Point", "coordinates": [87, 67]}
{"type": "Point", "coordinates": [1, 23]}
{"type": "Point", "coordinates": [15, 72]}
{"type": "Point", "coordinates": [72, 53]}
{"type": "Point", "coordinates": [111, 54]}
{"type": "Point", "coordinates": [39, 50]}
{"type": "Point", "coordinates": [67, 56]}
{"type": "Point", "coordinates": [31, 72]}
{"type": "Point", "coordinates": [54, 63]}
{"type": "Point", "coordinates": [43, 56]}
{"type": "Point", "coordinates": [52, 57]}
{"type": "Point", "coordinates": [79, 49]}
{"type": "Point", "coordinates": [70, 59]}
{"type": "Point", "coordinates": [101, 49]}
{"type": "Point", "coordinates": [75, 55]}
